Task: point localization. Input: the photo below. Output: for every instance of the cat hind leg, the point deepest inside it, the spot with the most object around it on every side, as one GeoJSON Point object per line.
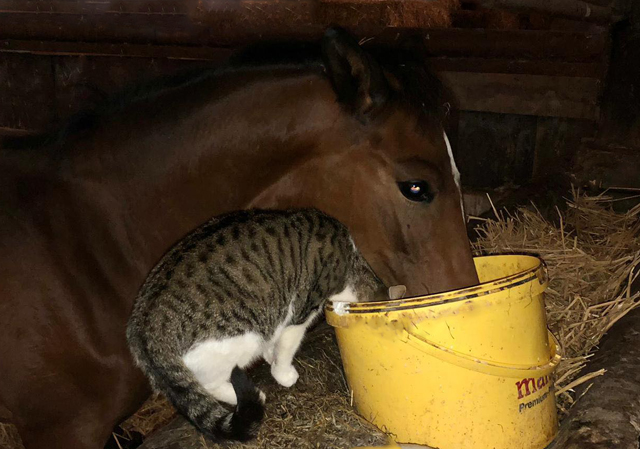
{"type": "Point", "coordinates": [213, 361]}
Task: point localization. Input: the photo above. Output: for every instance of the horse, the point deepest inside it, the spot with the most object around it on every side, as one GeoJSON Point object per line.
{"type": "Point", "coordinates": [87, 210]}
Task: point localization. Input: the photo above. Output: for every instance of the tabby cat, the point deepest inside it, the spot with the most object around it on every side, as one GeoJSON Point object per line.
{"type": "Point", "coordinates": [242, 286]}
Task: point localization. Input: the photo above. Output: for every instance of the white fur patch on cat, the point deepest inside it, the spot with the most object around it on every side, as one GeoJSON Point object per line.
{"type": "Point", "coordinates": [268, 353]}
{"type": "Point", "coordinates": [353, 244]}
{"type": "Point", "coordinates": [282, 369]}
{"type": "Point", "coordinates": [346, 295]}
{"type": "Point", "coordinates": [212, 361]}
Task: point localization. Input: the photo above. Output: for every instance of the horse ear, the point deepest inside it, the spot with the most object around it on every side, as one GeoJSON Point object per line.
{"type": "Point", "coordinates": [356, 77]}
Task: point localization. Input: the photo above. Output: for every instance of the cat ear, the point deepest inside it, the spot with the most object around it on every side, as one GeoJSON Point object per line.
{"type": "Point", "coordinates": [397, 291]}
{"type": "Point", "coordinates": [356, 77]}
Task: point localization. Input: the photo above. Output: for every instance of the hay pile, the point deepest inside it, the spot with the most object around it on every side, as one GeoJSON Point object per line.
{"type": "Point", "coordinates": [593, 257]}
{"type": "Point", "coordinates": [9, 438]}
{"type": "Point", "coordinates": [314, 413]}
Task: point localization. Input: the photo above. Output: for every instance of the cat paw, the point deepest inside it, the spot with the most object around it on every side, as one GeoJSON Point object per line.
{"type": "Point", "coordinates": [285, 376]}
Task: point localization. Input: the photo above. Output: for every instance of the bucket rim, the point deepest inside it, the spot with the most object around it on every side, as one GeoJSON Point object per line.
{"type": "Point", "coordinates": [537, 271]}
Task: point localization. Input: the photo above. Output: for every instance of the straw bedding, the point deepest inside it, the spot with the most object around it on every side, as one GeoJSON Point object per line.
{"type": "Point", "coordinates": [315, 413]}
{"type": "Point", "coordinates": [593, 257]}
{"type": "Point", "coordinates": [9, 437]}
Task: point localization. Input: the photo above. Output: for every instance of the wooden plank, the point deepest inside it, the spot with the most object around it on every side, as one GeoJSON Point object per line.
{"type": "Point", "coordinates": [520, 44]}
{"type": "Point", "coordinates": [607, 413]}
{"type": "Point", "coordinates": [573, 9]}
{"type": "Point", "coordinates": [492, 65]}
{"type": "Point", "coordinates": [107, 27]}
{"type": "Point", "coordinates": [27, 92]}
{"type": "Point", "coordinates": [486, 18]}
{"type": "Point", "coordinates": [177, 28]}
{"type": "Point", "coordinates": [607, 166]}
{"type": "Point", "coordinates": [550, 96]}
{"type": "Point", "coordinates": [363, 15]}
{"type": "Point", "coordinates": [4, 131]}
{"type": "Point", "coordinates": [492, 150]}
{"type": "Point", "coordinates": [92, 76]}
{"type": "Point", "coordinates": [621, 99]}
{"type": "Point", "coordinates": [557, 141]}
{"type": "Point", "coordinates": [82, 82]}
{"type": "Point", "coordinates": [217, 54]}
{"type": "Point", "coordinates": [354, 14]}
{"type": "Point", "coordinates": [124, 50]}
{"type": "Point", "coordinates": [93, 7]}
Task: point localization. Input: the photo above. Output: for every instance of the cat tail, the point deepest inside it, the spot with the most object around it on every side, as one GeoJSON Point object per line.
{"type": "Point", "coordinates": [169, 375]}
{"type": "Point", "coordinates": [209, 416]}
{"type": "Point", "coordinates": [244, 422]}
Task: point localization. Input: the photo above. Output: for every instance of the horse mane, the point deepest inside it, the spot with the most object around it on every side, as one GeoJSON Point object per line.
{"type": "Point", "coordinates": [421, 89]}
{"type": "Point", "coordinates": [88, 118]}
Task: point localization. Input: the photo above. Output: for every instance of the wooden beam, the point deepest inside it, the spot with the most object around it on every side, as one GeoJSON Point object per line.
{"type": "Point", "coordinates": [499, 65]}
{"type": "Point", "coordinates": [608, 409]}
{"type": "Point", "coordinates": [168, 22]}
{"type": "Point", "coordinates": [357, 15]}
{"type": "Point", "coordinates": [518, 44]}
{"type": "Point", "coordinates": [218, 54]}
{"type": "Point", "coordinates": [27, 96]}
{"type": "Point", "coordinates": [549, 96]}
{"type": "Point", "coordinates": [604, 166]}
{"type": "Point", "coordinates": [553, 89]}
{"type": "Point", "coordinates": [93, 7]}
{"type": "Point", "coordinates": [106, 27]}
{"type": "Point", "coordinates": [570, 9]}
{"type": "Point", "coordinates": [99, 49]}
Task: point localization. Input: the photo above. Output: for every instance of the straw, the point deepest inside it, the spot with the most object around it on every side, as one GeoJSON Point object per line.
{"type": "Point", "coordinates": [593, 257]}
{"type": "Point", "coordinates": [316, 413]}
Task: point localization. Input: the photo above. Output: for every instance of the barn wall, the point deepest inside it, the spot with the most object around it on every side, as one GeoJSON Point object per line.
{"type": "Point", "coordinates": [524, 98]}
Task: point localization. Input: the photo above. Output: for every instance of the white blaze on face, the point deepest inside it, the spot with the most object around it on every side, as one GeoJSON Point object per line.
{"type": "Point", "coordinates": [454, 171]}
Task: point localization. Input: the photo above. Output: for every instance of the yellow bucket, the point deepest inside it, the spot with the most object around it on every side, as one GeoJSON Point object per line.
{"type": "Point", "coordinates": [465, 369]}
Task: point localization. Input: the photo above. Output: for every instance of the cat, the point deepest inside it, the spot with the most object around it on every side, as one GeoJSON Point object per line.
{"type": "Point", "coordinates": [242, 286]}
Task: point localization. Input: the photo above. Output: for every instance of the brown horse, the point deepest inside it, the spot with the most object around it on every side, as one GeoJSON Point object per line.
{"type": "Point", "coordinates": [88, 211]}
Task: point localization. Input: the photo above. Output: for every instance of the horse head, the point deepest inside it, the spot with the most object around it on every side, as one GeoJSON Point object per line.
{"type": "Point", "coordinates": [384, 166]}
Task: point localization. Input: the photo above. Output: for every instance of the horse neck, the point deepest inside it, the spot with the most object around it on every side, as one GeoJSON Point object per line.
{"type": "Point", "coordinates": [204, 153]}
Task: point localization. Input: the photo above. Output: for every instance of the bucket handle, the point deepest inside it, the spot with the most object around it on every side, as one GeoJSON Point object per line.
{"type": "Point", "coordinates": [542, 273]}
{"type": "Point", "coordinates": [475, 364]}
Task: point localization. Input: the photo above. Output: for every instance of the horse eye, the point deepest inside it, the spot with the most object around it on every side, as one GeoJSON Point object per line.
{"type": "Point", "coordinates": [417, 191]}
